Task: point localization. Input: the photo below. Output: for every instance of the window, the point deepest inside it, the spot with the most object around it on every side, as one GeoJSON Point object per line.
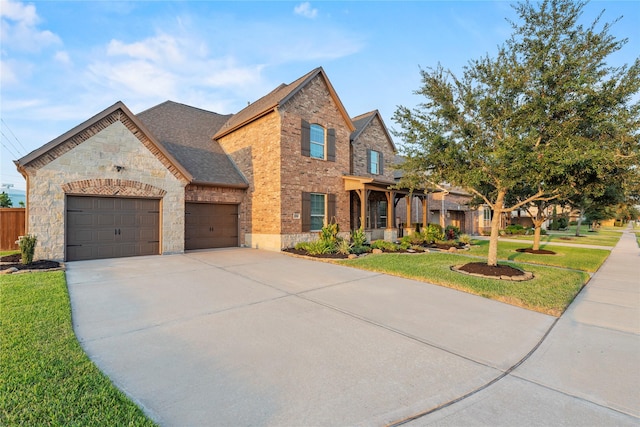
{"type": "Point", "coordinates": [317, 141]}
{"type": "Point", "coordinates": [317, 211]}
{"type": "Point", "coordinates": [374, 162]}
{"type": "Point", "coordinates": [486, 216]}
{"type": "Point", "coordinates": [382, 214]}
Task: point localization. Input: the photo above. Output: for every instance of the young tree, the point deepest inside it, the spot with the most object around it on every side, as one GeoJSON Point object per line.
{"type": "Point", "coordinates": [5, 200]}
{"type": "Point", "coordinates": [512, 127]}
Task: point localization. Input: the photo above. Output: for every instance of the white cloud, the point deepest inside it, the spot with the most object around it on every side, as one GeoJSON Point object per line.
{"type": "Point", "coordinates": [7, 75]}
{"type": "Point", "coordinates": [18, 28]}
{"type": "Point", "coordinates": [305, 9]}
{"type": "Point", "coordinates": [62, 57]}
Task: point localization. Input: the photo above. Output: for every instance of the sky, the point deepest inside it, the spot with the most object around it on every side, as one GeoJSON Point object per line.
{"type": "Point", "coordinates": [61, 62]}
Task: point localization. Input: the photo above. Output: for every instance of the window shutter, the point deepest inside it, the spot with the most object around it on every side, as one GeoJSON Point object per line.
{"type": "Point", "coordinates": [381, 165]}
{"type": "Point", "coordinates": [331, 145]}
{"type": "Point", "coordinates": [368, 161]}
{"type": "Point", "coordinates": [306, 212]}
{"type": "Point", "coordinates": [305, 137]}
{"type": "Point", "coordinates": [331, 208]}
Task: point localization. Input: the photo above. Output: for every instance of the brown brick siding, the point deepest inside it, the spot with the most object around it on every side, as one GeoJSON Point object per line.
{"type": "Point", "coordinates": [212, 194]}
{"type": "Point", "coordinates": [314, 104]}
{"type": "Point", "coordinates": [112, 187]}
{"type": "Point", "coordinates": [374, 138]}
{"type": "Point", "coordinates": [255, 149]}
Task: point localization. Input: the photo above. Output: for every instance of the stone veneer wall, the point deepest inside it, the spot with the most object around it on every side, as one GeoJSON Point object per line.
{"type": "Point", "coordinates": [314, 104]}
{"type": "Point", "coordinates": [89, 169]}
{"type": "Point", "coordinates": [374, 138]}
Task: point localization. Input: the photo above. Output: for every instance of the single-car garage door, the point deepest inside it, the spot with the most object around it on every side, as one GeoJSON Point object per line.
{"type": "Point", "coordinates": [210, 225]}
{"type": "Point", "coordinates": [111, 227]}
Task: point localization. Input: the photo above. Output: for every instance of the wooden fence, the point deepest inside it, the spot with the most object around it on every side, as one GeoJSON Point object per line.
{"type": "Point", "coordinates": [11, 226]}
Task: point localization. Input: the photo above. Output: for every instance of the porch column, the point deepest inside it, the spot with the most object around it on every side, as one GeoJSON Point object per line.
{"type": "Point", "coordinates": [407, 224]}
{"type": "Point", "coordinates": [390, 208]}
{"type": "Point", "coordinates": [424, 211]}
{"type": "Point", "coordinates": [390, 233]}
{"type": "Point", "coordinates": [363, 194]}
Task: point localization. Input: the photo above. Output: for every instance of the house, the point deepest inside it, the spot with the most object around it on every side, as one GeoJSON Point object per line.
{"type": "Point", "coordinates": [175, 177]}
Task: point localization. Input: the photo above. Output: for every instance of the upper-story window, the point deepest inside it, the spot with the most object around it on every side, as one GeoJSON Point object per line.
{"type": "Point", "coordinates": [317, 141]}
{"type": "Point", "coordinates": [374, 162]}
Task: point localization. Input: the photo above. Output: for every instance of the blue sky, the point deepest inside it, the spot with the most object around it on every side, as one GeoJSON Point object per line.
{"type": "Point", "coordinates": [64, 61]}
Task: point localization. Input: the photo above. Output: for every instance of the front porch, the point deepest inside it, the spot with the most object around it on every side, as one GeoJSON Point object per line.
{"type": "Point", "coordinates": [373, 207]}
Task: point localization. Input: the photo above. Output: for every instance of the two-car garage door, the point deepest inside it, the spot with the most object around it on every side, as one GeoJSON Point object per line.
{"type": "Point", "coordinates": [112, 227]}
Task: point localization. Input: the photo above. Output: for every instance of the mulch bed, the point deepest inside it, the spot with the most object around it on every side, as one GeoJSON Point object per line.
{"type": "Point", "coordinates": [484, 269]}
{"type": "Point", "coordinates": [9, 261]}
{"type": "Point", "coordinates": [305, 253]}
{"type": "Point", "coordinates": [536, 252]}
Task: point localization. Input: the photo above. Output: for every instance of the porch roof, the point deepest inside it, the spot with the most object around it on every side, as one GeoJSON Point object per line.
{"type": "Point", "coordinates": [352, 182]}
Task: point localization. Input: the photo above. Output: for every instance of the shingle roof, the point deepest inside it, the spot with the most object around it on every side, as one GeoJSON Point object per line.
{"type": "Point", "coordinates": [186, 132]}
{"type": "Point", "coordinates": [275, 98]}
{"type": "Point", "coordinates": [363, 120]}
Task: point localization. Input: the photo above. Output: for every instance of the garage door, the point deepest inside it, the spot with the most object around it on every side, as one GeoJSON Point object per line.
{"type": "Point", "coordinates": [210, 226]}
{"type": "Point", "coordinates": [109, 227]}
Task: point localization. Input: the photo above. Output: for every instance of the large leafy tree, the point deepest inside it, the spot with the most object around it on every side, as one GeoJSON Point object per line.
{"type": "Point", "coordinates": [514, 127]}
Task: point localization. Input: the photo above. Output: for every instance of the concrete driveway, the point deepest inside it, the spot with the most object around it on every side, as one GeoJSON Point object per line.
{"type": "Point", "coordinates": [248, 337]}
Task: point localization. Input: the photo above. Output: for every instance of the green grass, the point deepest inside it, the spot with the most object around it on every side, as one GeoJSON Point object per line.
{"type": "Point", "coordinates": [606, 236]}
{"type": "Point", "coordinates": [576, 258]}
{"type": "Point", "coordinates": [3, 253]}
{"type": "Point", "coordinates": [46, 378]}
{"type": "Point", "coordinates": [550, 291]}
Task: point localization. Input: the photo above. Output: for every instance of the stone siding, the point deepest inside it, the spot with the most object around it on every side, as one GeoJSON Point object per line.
{"type": "Point", "coordinates": [90, 169]}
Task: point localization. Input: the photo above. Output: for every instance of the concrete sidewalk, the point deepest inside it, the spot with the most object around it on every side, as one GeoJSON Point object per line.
{"type": "Point", "coordinates": [586, 372]}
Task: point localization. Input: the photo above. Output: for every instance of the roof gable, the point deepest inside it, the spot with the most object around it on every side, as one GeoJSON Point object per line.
{"type": "Point", "coordinates": [278, 97]}
{"type": "Point", "coordinates": [363, 121]}
{"type": "Point", "coordinates": [118, 112]}
{"type": "Point", "coordinates": [186, 132]}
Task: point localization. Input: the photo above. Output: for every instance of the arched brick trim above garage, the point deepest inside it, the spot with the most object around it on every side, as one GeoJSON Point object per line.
{"type": "Point", "coordinates": [113, 187]}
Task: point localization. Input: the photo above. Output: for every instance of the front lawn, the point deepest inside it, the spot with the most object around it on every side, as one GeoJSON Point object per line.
{"type": "Point", "coordinates": [550, 292]}
{"type": "Point", "coordinates": [584, 259]}
{"type": "Point", "coordinates": [606, 236]}
{"type": "Point", "coordinates": [46, 378]}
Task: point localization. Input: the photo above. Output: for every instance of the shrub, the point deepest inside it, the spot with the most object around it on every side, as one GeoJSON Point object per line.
{"type": "Point", "coordinates": [432, 233]}
{"type": "Point", "coordinates": [559, 223]}
{"type": "Point", "coordinates": [321, 247]}
{"type": "Point", "coordinates": [465, 239]}
{"type": "Point", "coordinates": [405, 243]}
{"type": "Point", "coordinates": [344, 247]}
{"type": "Point", "coordinates": [358, 237]}
{"type": "Point", "coordinates": [451, 232]}
{"type": "Point", "coordinates": [329, 233]}
{"type": "Point", "coordinates": [27, 246]}
{"type": "Point", "coordinates": [416, 239]}
{"type": "Point", "coordinates": [515, 229]}
{"type": "Point", "coordinates": [384, 245]}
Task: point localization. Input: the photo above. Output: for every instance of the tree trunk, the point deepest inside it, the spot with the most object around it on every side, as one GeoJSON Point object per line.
{"type": "Point", "coordinates": [492, 257]}
{"type": "Point", "coordinates": [537, 231]}
{"type": "Point", "coordinates": [579, 221]}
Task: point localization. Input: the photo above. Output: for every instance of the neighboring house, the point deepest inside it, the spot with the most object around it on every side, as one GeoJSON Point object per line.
{"type": "Point", "coordinates": [446, 206]}
{"type": "Point", "coordinates": [175, 177]}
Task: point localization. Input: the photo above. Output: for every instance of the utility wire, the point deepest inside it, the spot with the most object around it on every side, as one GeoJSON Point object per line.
{"type": "Point", "coordinates": [24, 150]}
{"type": "Point", "coordinates": [12, 145]}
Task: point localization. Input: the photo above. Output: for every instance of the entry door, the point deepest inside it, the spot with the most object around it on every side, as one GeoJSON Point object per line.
{"type": "Point", "coordinates": [210, 225]}
{"type": "Point", "coordinates": [111, 227]}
